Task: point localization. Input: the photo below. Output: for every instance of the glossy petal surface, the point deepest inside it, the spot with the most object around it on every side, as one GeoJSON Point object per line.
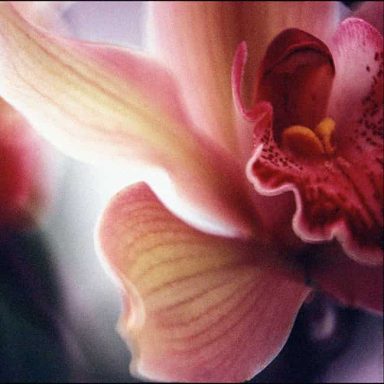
{"type": "Point", "coordinates": [196, 307]}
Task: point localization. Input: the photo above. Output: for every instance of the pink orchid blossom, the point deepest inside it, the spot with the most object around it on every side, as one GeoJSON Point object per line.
{"type": "Point", "coordinates": [213, 272]}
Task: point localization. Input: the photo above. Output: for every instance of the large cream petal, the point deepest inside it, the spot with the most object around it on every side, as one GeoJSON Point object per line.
{"type": "Point", "coordinates": [197, 41]}
{"type": "Point", "coordinates": [196, 307]}
{"type": "Point", "coordinates": [101, 103]}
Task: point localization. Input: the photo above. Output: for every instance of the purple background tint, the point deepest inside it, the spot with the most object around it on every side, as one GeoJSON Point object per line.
{"type": "Point", "coordinates": [92, 300]}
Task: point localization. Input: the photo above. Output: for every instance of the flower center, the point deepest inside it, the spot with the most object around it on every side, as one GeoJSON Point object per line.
{"type": "Point", "coordinates": [305, 142]}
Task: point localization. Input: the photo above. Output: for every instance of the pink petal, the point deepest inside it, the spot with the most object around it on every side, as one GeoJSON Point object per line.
{"type": "Point", "coordinates": [357, 106]}
{"type": "Point", "coordinates": [372, 12]}
{"type": "Point", "coordinates": [196, 307]}
{"type": "Point", "coordinates": [105, 104]}
{"type": "Point", "coordinates": [328, 203]}
{"type": "Point", "coordinates": [336, 197]}
{"type": "Point", "coordinates": [45, 14]}
{"type": "Point", "coordinates": [260, 109]}
{"type": "Point", "coordinates": [351, 283]}
{"type": "Point", "coordinates": [197, 41]}
{"type": "Point", "coordinates": [357, 50]}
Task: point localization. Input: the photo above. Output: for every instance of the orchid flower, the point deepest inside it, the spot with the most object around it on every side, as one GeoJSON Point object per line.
{"type": "Point", "coordinates": [214, 268]}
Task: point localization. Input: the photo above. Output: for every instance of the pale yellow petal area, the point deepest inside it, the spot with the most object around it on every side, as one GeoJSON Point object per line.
{"type": "Point", "coordinates": [197, 308]}
{"type": "Point", "coordinates": [197, 41]}
{"type": "Point", "coordinates": [102, 103]}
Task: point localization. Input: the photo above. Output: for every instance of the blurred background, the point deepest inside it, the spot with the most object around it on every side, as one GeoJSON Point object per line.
{"type": "Point", "coordinates": [70, 335]}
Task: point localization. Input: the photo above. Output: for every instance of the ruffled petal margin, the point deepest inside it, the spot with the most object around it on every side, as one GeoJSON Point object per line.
{"type": "Point", "coordinates": [339, 196]}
